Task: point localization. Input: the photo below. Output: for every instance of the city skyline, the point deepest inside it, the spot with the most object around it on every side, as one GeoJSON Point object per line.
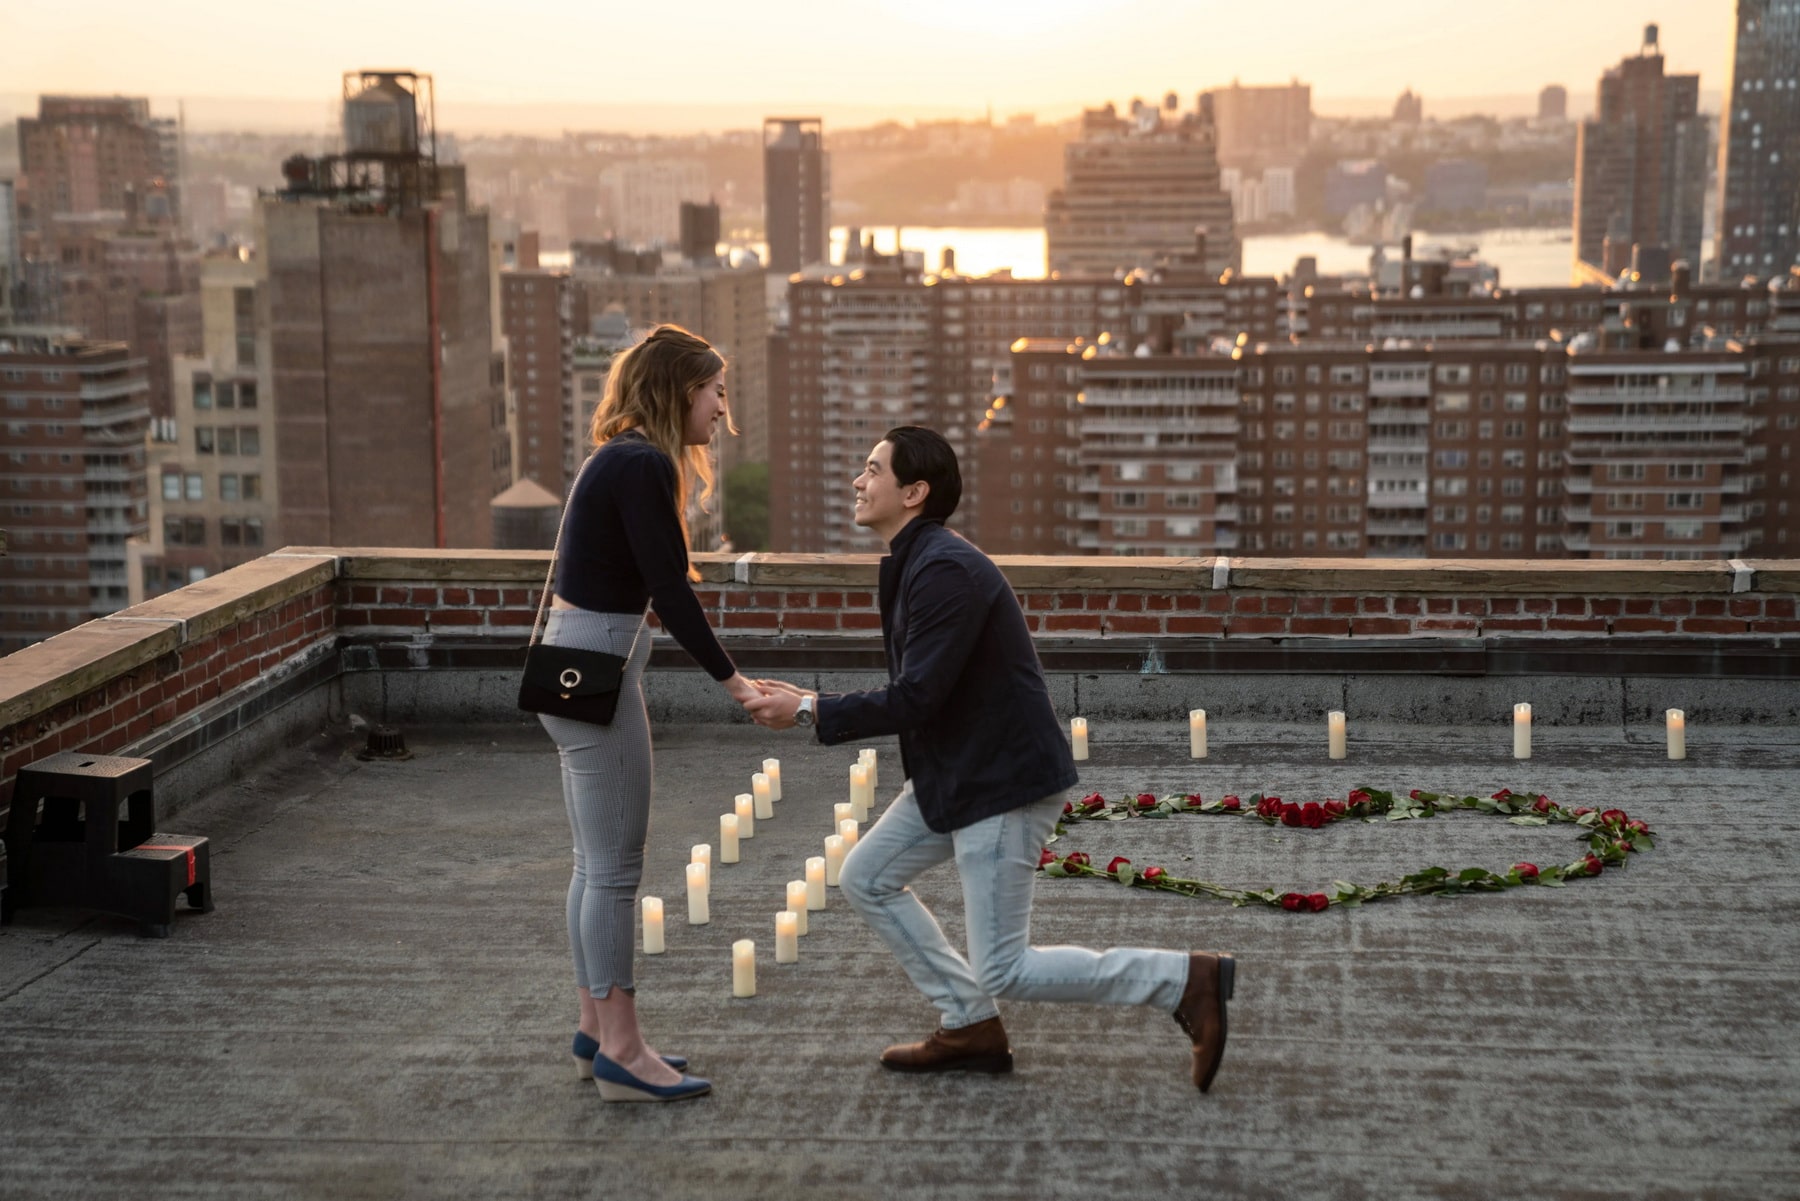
{"type": "Point", "coordinates": [1050, 58]}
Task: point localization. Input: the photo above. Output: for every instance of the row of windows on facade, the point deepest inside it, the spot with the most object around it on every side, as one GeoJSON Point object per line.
{"type": "Point", "coordinates": [227, 440]}
{"type": "Point", "coordinates": [192, 486]}
{"type": "Point", "coordinates": [192, 531]}
{"type": "Point", "coordinates": [225, 394]}
{"type": "Point", "coordinates": [18, 375]}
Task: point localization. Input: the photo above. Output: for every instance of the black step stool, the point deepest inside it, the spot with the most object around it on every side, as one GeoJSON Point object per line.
{"type": "Point", "coordinates": [68, 846]}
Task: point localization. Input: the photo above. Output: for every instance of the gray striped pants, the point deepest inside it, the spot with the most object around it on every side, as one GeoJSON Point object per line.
{"type": "Point", "coordinates": [606, 779]}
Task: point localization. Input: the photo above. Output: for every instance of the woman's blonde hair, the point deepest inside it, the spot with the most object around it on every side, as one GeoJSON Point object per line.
{"type": "Point", "coordinates": [649, 389]}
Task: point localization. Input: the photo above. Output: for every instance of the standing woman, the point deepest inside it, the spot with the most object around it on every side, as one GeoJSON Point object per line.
{"type": "Point", "coordinates": [624, 545]}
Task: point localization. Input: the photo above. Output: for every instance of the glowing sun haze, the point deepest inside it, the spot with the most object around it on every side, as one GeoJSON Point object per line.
{"type": "Point", "coordinates": [735, 61]}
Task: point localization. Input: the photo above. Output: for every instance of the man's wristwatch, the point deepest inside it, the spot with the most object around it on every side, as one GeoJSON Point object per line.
{"type": "Point", "coordinates": [804, 716]}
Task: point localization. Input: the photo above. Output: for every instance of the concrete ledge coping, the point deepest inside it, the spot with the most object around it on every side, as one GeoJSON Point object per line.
{"type": "Point", "coordinates": [77, 661]}
{"type": "Point", "coordinates": [1503, 577]}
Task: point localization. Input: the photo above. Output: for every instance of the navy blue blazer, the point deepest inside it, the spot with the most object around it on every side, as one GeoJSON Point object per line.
{"type": "Point", "coordinates": [966, 692]}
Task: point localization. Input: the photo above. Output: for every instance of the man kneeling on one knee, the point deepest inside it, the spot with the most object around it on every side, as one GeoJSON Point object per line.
{"type": "Point", "coordinates": [986, 770]}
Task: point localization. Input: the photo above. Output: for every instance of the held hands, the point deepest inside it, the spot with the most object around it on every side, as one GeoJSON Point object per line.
{"type": "Point", "coordinates": [741, 690]}
{"type": "Point", "coordinates": [776, 705]}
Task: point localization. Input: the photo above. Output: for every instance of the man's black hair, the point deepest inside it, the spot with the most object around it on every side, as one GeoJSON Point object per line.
{"type": "Point", "coordinates": [922, 454]}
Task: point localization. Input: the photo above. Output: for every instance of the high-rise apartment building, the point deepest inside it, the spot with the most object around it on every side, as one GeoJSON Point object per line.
{"type": "Point", "coordinates": [543, 313]}
{"type": "Point", "coordinates": [1553, 103]}
{"type": "Point", "coordinates": [213, 499]}
{"type": "Point", "coordinates": [72, 444]}
{"type": "Point", "coordinates": [12, 257]}
{"type": "Point", "coordinates": [643, 197]}
{"type": "Point", "coordinates": [1139, 187]}
{"type": "Point", "coordinates": [796, 193]}
{"type": "Point", "coordinates": [1409, 109]}
{"type": "Point", "coordinates": [84, 155]}
{"type": "Point", "coordinates": [1261, 125]}
{"type": "Point", "coordinates": [391, 424]}
{"type": "Point", "coordinates": [1640, 167]}
{"type": "Point", "coordinates": [1759, 146]}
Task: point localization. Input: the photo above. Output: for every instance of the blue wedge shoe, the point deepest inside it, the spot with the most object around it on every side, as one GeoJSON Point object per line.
{"type": "Point", "coordinates": [586, 1048]}
{"type": "Point", "coordinates": [617, 1084]}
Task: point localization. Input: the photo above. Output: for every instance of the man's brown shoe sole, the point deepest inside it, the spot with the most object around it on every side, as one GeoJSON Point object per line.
{"type": "Point", "coordinates": [1204, 1073]}
{"type": "Point", "coordinates": [992, 1064]}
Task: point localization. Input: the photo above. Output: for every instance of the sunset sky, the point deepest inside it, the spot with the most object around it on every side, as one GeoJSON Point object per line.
{"type": "Point", "coordinates": [713, 63]}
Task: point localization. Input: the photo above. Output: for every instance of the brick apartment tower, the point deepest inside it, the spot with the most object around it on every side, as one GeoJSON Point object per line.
{"type": "Point", "coordinates": [1759, 148]}
{"type": "Point", "coordinates": [72, 446]}
{"type": "Point", "coordinates": [796, 192]}
{"type": "Point", "coordinates": [391, 422]}
{"type": "Point", "coordinates": [1137, 188]}
{"type": "Point", "coordinates": [543, 313]}
{"type": "Point", "coordinates": [1640, 167]}
{"type": "Point", "coordinates": [92, 154]}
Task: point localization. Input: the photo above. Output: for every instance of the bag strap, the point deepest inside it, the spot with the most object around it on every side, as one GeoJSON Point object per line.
{"type": "Point", "coordinates": [550, 575]}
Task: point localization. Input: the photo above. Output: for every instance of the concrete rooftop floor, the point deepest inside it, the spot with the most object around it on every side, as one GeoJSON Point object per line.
{"type": "Point", "coordinates": [381, 1004]}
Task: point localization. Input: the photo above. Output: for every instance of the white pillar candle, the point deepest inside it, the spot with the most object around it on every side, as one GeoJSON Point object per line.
{"type": "Point", "coordinates": [1521, 731]}
{"type": "Point", "coordinates": [728, 838]}
{"type": "Point", "coordinates": [746, 815]}
{"type": "Point", "coordinates": [1196, 733]}
{"type": "Point", "coordinates": [842, 812]}
{"type": "Point", "coordinates": [815, 882]}
{"type": "Point", "coordinates": [847, 832]}
{"type": "Point", "coordinates": [763, 796]}
{"type": "Point", "coordinates": [696, 881]}
{"type": "Point", "coordinates": [653, 926]}
{"type": "Point", "coordinates": [834, 859]}
{"type": "Point", "coordinates": [743, 968]}
{"type": "Point", "coordinates": [1335, 725]}
{"type": "Point", "coordinates": [772, 769]}
{"type": "Point", "coordinates": [862, 791]}
{"type": "Point", "coordinates": [1677, 720]}
{"type": "Point", "coordinates": [1078, 736]}
{"type": "Point", "coordinates": [787, 938]}
{"type": "Point", "coordinates": [796, 903]}
{"type": "Point", "coordinates": [702, 854]}
{"type": "Point", "coordinates": [869, 759]}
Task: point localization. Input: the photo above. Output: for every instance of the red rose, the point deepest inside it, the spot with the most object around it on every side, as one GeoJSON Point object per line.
{"type": "Point", "coordinates": [1267, 808]}
{"type": "Point", "coordinates": [1274, 800]}
{"type": "Point", "coordinates": [1583, 811]}
{"type": "Point", "coordinates": [1194, 800]}
{"type": "Point", "coordinates": [1414, 794]}
{"type": "Point", "coordinates": [1232, 803]}
{"type": "Point", "coordinates": [1336, 808]}
{"type": "Point", "coordinates": [1542, 805]}
{"type": "Point", "coordinates": [1317, 902]}
{"type": "Point", "coordinates": [1312, 815]}
{"type": "Point", "coordinates": [1593, 864]}
{"type": "Point", "coordinates": [1113, 867]}
{"type": "Point", "coordinates": [1502, 795]}
{"type": "Point", "coordinates": [1638, 826]}
{"type": "Point", "coordinates": [1613, 817]}
{"type": "Point", "coordinates": [1359, 797]}
{"type": "Point", "coordinates": [1290, 815]}
{"type": "Point", "coordinates": [1068, 808]}
{"type": "Point", "coordinates": [1293, 902]}
{"type": "Point", "coordinates": [1046, 857]}
{"type": "Point", "coordinates": [1146, 800]}
{"type": "Point", "coordinates": [1093, 800]}
{"type": "Point", "coordinates": [1624, 848]}
{"type": "Point", "coordinates": [1154, 873]}
{"type": "Point", "coordinates": [1075, 859]}
{"type": "Point", "coordinates": [1527, 871]}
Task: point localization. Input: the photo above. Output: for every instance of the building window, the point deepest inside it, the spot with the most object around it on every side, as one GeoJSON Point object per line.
{"type": "Point", "coordinates": [171, 485]}
{"type": "Point", "coordinates": [203, 439]}
{"type": "Point", "coordinates": [196, 486]}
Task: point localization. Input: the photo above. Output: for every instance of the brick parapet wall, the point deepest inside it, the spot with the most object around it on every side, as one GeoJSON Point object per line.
{"type": "Point", "coordinates": [117, 681]}
{"type": "Point", "coordinates": [817, 596]}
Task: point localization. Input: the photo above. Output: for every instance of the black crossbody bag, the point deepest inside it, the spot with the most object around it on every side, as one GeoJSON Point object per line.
{"type": "Point", "coordinates": [567, 681]}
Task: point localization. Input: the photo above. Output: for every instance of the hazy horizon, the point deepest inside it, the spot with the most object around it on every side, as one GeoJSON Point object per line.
{"type": "Point", "coordinates": [855, 63]}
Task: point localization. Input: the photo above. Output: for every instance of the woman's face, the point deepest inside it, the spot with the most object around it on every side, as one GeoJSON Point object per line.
{"type": "Point", "coordinates": [706, 407]}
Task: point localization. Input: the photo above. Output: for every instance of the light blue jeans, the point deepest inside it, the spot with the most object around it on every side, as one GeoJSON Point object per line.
{"type": "Point", "coordinates": [997, 860]}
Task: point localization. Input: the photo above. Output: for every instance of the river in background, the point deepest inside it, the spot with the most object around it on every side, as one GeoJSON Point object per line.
{"type": "Point", "coordinates": [1526, 257]}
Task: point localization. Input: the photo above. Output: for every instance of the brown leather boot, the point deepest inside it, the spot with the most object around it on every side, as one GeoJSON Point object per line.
{"type": "Point", "coordinates": [1202, 1011]}
{"type": "Point", "coordinates": [977, 1048]}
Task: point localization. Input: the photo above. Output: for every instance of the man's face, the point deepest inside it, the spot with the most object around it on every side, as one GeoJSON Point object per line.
{"type": "Point", "coordinates": [878, 504]}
